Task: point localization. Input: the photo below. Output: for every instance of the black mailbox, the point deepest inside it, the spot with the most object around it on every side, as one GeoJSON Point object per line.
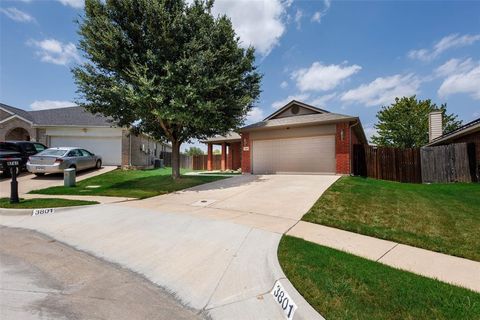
{"type": "Point", "coordinates": [13, 164]}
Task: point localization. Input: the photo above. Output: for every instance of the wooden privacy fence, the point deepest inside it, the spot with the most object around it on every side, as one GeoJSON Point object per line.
{"type": "Point", "coordinates": [186, 162]}
{"type": "Point", "coordinates": [449, 163]}
{"type": "Point", "coordinates": [200, 162]}
{"type": "Point", "coordinates": [387, 163]}
{"type": "Point", "coordinates": [197, 162]}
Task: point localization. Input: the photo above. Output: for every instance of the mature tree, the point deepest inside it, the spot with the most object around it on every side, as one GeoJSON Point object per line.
{"type": "Point", "coordinates": [171, 68]}
{"type": "Point", "coordinates": [194, 151]}
{"type": "Point", "coordinates": [404, 124]}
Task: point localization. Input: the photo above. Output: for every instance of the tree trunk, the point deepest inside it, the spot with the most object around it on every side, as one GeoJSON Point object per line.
{"type": "Point", "coordinates": [175, 159]}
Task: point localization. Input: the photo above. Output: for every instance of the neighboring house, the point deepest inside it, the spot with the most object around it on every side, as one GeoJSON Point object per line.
{"type": "Point", "coordinates": [298, 138]}
{"type": "Point", "coordinates": [76, 127]}
{"type": "Point", "coordinates": [469, 133]}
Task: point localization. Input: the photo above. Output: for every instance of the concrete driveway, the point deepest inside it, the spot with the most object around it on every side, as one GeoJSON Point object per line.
{"type": "Point", "coordinates": [213, 246]}
{"type": "Point", "coordinates": [270, 202]}
{"type": "Point", "coordinates": [28, 182]}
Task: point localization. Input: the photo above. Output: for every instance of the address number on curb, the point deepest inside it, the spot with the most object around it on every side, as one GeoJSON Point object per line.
{"type": "Point", "coordinates": [284, 300]}
{"type": "Point", "coordinates": [38, 212]}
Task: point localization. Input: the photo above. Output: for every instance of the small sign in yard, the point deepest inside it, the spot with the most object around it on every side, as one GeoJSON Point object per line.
{"type": "Point", "coordinates": [284, 300]}
{"type": "Point", "coordinates": [38, 212]}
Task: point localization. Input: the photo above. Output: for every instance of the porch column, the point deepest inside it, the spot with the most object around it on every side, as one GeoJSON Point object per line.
{"type": "Point", "coordinates": [224, 156]}
{"type": "Point", "coordinates": [209, 156]}
{"type": "Point", "coordinates": [230, 157]}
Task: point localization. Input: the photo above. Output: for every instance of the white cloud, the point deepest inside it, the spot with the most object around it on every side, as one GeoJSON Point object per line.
{"type": "Point", "coordinates": [77, 4]}
{"type": "Point", "coordinates": [448, 42]}
{"type": "Point", "coordinates": [323, 77]}
{"type": "Point", "coordinates": [461, 77]}
{"type": "Point", "coordinates": [370, 131]}
{"type": "Point", "coordinates": [17, 15]}
{"type": "Point", "coordinates": [50, 104]}
{"type": "Point", "coordinates": [255, 114]}
{"type": "Point", "coordinates": [258, 23]}
{"type": "Point", "coordinates": [284, 84]}
{"type": "Point", "coordinates": [298, 18]}
{"type": "Point", "coordinates": [322, 100]}
{"type": "Point", "coordinates": [318, 15]}
{"type": "Point", "coordinates": [56, 52]}
{"type": "Point", "coordinates": [280, 103]}
{"type": "Point", "coordinates": [383, 91]}
{"type": "Point", "coordinates": [454, 66]}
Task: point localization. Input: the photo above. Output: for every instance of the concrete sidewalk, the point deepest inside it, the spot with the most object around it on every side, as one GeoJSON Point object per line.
{"type": "Point", "coordinates": [454, 270]}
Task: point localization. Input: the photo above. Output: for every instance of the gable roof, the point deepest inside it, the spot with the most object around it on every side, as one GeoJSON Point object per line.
{"type": "Point", "coordinates": [16, 111]}
{"type": "Point", "coordinates": [299, 121]}
{"type": "Point", "coordinates": [291, 103]}
{"type": "Point", "coordinates": [70, 116]}
{"type": "Point", "coordinates": [472, 126]}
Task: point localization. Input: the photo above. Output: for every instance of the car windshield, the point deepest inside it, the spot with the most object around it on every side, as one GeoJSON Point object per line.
{"type": "Point", "coordinates": [52, 152]}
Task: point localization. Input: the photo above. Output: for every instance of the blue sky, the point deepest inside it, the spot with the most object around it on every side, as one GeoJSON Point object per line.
{"type": "Point", "coordinates": [349, 57]}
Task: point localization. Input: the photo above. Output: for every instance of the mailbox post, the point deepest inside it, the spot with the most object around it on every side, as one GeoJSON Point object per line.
{"type": "Point", "coordinates": [13, 164]}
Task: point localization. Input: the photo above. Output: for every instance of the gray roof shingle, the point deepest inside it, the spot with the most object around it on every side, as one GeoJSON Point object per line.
{"type": "Point", "coordinates": [70, 116]}
{"type": "Point", "coordinates": [299, 120]}
{"type": "Point", "coordinates": [22, 113]}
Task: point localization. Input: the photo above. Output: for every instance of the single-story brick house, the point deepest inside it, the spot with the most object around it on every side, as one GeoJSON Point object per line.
{"type": "Point", "coordinates": [76, 127]}
{"type": "Point", "coordinates": [297, 138]}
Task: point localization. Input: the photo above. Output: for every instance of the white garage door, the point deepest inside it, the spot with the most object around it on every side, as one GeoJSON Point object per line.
{"type": "Point", "coordinates": [294, 155]}
{"type": "Point", "coordinates": [110, 149]}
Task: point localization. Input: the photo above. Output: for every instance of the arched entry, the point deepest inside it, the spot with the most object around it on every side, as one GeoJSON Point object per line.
{"type": "Point", "coordinates": [19, 134]}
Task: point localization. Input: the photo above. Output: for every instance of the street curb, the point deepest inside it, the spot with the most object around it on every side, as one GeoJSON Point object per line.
{"type": "Point", "coordinates": [28, 212]}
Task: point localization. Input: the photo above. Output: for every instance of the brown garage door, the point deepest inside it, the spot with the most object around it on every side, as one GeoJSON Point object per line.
{"type": "Point", "coordinates": [294, 155]}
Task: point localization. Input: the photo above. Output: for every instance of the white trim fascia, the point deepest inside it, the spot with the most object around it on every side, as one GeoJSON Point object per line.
{"type": "Point", "coordinates": [16, 116]}
{"type": "Point", "coordinates": [7, 111]}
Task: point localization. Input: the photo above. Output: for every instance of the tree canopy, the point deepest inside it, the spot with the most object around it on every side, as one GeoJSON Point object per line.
{"type": "Point", "coordinates": [194, 151]}
{"type": "Point", "coordinates": [404, 124]}
{"type": "Point", "coordinates": [171, 68]}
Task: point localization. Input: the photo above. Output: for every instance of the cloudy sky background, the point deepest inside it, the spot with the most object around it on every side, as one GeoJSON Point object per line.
{"type": "Point", "coordinates": [348, 57]}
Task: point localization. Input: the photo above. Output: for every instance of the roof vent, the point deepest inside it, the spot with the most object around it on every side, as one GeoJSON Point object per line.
{"type": "Point", "coordinates": [295, 109]}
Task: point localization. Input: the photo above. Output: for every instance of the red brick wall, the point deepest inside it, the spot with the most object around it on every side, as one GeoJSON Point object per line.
{"type": "Point", "coordinates": [246, 148]}
{"type": "Point", "coordinates": [342, 148]}
{"type": "Point", "coordinates": [236, 155]}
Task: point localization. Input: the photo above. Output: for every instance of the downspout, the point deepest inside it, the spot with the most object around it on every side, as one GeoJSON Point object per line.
{"type": "Point", "coordinates": [351, 146]}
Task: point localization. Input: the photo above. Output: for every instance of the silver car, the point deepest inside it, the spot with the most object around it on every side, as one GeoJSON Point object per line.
{"type": "Point", "coordinates": [55, 160]}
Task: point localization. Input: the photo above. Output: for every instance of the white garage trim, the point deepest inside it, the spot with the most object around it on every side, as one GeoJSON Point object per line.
{"type": "Point", "coordinates": [314, 154]}
{"type": "Point", "coordinates": [109, 148]}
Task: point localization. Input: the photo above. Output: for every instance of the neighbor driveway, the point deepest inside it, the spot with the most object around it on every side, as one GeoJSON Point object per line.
{"type": "Point", "coordinates": [28, 182]}
{"type": "Point", "coordinates": [218, 257]}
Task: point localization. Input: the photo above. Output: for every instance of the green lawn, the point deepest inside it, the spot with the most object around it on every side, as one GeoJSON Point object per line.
{"type": "Point", "coordinates": [439, 217]}
{"type": "Point", "coordinates": [343, 286]}
{"type": "Point", "coordinates": [131, 183]}
{"type": "Point", "coordinates": [43, 203]}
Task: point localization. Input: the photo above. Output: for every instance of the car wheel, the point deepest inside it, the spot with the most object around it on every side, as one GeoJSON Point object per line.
{"type": "Point", "coordinates": [99, 164]}
{"type": "Point", "coordinates": [73, 167]}
{"type": "Point", "coordinates": [39, 174]}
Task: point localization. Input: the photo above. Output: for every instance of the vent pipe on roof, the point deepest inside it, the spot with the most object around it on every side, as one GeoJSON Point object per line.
{"type": "Point", "coordinates": [435, 126]}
